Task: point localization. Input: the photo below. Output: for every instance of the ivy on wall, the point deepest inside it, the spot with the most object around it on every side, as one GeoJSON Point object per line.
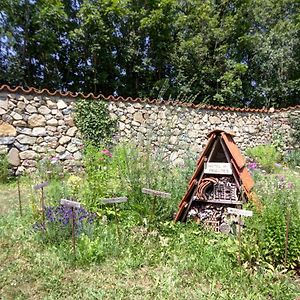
{"type": "Point", "coordinates": [295, 123]}
{"type": "Point", "coordinates": [93, 121]}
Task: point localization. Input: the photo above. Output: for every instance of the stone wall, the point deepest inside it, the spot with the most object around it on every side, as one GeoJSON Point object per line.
{"type": "Point", "coordinates": [36, 125]}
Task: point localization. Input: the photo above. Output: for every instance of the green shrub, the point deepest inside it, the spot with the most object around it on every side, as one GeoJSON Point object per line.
{"type": "Point", "coordinates": [57, 225]}
{"type": "Point", "coordinates": [293, 158]}
{"type": "Point", "coordinates": [264, 240]}
{"type": "Point", "coordinates": [295, 123]}
{"type": "Point", "coordinates": [141, 168]}
{"type": "Point", "coordinates": [49, 168]}
{"type": "Point", "coordinates": [101, 178]}
{"type": "Point", "coordinates": [93, 121]}
{"type": "Point", "coordinates": [266, 155]}
{"type": "Point", "coordinates": [4, 169]}
{"type": "Point", "coordinates": [125, 171]}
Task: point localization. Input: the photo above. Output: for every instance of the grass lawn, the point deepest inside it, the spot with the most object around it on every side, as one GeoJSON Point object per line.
{"type": "Point", "coordinates": [179, 264]}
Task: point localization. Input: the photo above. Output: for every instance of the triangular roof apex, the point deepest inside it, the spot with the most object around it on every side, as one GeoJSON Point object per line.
{"type": "Point", "coordinates": [219, 131]}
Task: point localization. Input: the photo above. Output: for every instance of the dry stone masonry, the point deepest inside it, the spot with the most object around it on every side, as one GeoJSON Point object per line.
{"type": "Point", "coordinates": [34, 126]}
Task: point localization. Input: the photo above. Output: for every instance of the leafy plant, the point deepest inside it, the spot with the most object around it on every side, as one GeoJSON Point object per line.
{"type": "Point", "coordinates": [101, 179]}
{"type": "Point", "coordinates": [58, 223]}
{"type": "Point", "coordinates": [292, 158]}
{"type": "Point", "coordinates": [4, 169]}
{"type": "Point", "coordinates": [172, 260]}
{"type": "Point", "coordinates": [49, 168]}
{"type": "Point", "coordinates": [295, 122]}
{"type": "Point", "coordinates": [266, 155]}
{"type": "Point", "coordinates": [93, 121]}
{"type": "Point", "coordinates": [125, 171]}
{"type": "Point", "coordinates": [264, 241]}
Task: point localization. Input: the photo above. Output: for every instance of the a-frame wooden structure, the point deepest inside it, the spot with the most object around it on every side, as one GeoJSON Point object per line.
{"type": "Point", "coordinates": [220, 180]}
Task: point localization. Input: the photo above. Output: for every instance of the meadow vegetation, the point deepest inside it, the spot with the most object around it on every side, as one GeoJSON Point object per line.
{"type": "Point", "coordinates": [145, 255]}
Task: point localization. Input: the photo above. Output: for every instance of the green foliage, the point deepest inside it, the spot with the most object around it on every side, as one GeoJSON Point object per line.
{"type": "Point", "coordinates": [93, 120]}
{"type": "Point", "coordinates": [264, 240]}
{"type": "Point", "coordinates": [4, 168]}
{"type": "Point", "coordinates": [164, 261]}
{"type": "Point", "coordinates": [101, 180]}
{"type": "Point", "coordinates": [124, 172]}
{"type": "Point", "coordinates": [295, 122]}
{"type": "Point", "coordinates": [221, 52]}
{"type": "Point", "coordinates": [176, 261]}
{"type": "Point", "coordinates": [292, 158]}
{"type": "Point", "coordinates": [48, 168]}
{"type": "Point", "coordinates": [266, 155]}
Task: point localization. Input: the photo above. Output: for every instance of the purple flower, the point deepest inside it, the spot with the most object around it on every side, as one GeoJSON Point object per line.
{"type": "Point", "coordinates": [281, 178]}
{"type": "Point", "coordinates": [290, 185]}
{"type": "Point", "coordinates": [252, 166]}
{"type": "Point", "coordinates": [61, 217]}
{"type": "Point", "coordinates": [54, 160]}
{"type": "Point", "coordinates": [106, 152]}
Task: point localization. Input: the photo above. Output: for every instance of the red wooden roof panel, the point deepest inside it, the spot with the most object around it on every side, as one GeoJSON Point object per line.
{"type": "Point", "coordinates": [233, 149]}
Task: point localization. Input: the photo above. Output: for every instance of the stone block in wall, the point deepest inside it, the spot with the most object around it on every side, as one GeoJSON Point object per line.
{"type": "Point", "coordinates": [61, 104]}
{"type": "Point", "coordinates": [20, 146]}
{"type": "Point", "coordinates": [66, 111]}
{"type": "Point", "coordinates": [66, 156]}
{"type": "Point", "coordinates": [7, 140]}
{"type": "Point", "coordinates": [72, 147]}
{"type": "Point", "coordinates": [16, 116]}
{"type": "Point", "coordinates": [7, 129]}
{"type": "Point", "coordinates": [77, 155]}
{"type": "Point", "coordinates": [39, 131]}
{"type": "Point", "coordinates": [71, 131]}
{"type": "Point", "coordinates": [69, 121]}
{"type": "Point", "coordinates": [3, 149]}
{"type": "Point", "coordinates": [44, 110]}
{"type": "Point", "coordinates": [60, 149]}
{"type": "Point", "coordinates": [4, 105]}
{"type": "Point", "coordinates": [26, 139]}
{"type": "Point", "coordinates": [30, 109]}
{"type": "Point", "coordinates": [19, 123]}
{"type": "Point", "coordinates": [52, 122]}
{"type": "Point", "coordinates": [28, 154]}
{"type": "Point", "coordinates": [36, 120]}
{"type": "Point", "coordinates": [51, 104]}
{"type": "Point", "coordinates": [24, 130]}
{"type": "Point", "coordinates": [29, 164]}
{"type": "Point", "coordinates": [64, 139]}
{"type": "Point", "coordinates": [13, 157]}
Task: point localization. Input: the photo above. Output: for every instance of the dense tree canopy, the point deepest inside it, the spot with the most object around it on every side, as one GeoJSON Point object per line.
{"type": "Point", "coordinates": [238, 52]}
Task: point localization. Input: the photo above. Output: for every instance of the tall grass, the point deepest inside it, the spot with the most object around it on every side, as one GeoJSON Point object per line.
{"type": "Point", "coordinates": [4, 169]}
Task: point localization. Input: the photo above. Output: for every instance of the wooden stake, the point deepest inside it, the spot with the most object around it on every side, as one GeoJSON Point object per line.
{"type": "Point", "coordinates": [239, 237]}
{"type": "Point", "coordinates": [43, 206]}
{"type": "Point", "coordinates": [73, 205]}
{"type": "Point", "coordinates": [153, 209]}
{"type": "Point", "coordinates": [114, 201]}
{"type": "Point", "coordinates": [73, 231]}
{"type": "Point", "coordinates": [117, 222]}
{"type": "Point", "coordinates": [155, 194]}
{"type": "Point", "coordinates": [288, 218]}
{"type": "Point", "coordinates": [19, 194]}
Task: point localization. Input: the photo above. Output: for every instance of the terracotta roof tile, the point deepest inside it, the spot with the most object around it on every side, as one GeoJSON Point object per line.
{"type": "Point", "coordinates": [32, 90]}
{"type": "Point", "coordinates": [234, 150]}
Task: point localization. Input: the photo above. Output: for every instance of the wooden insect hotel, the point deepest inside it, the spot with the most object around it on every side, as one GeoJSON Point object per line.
{"type": "Point", "coordinates": [220, 181]}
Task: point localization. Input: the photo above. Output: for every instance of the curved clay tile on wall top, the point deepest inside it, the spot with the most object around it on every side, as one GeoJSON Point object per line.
{"type": "Point", "coordinates": [32, 90]}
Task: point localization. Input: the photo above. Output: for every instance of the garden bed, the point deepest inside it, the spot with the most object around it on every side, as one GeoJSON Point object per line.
{"type": "Point", "coordinates": [149, 257]}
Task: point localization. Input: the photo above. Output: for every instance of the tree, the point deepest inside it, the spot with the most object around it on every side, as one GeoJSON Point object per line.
{"type": "Point", "coordinates": [222, 52]}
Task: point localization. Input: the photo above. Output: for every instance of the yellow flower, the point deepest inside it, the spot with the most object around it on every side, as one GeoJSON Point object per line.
{"type": "Point", "coordinates": [74, 182]}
